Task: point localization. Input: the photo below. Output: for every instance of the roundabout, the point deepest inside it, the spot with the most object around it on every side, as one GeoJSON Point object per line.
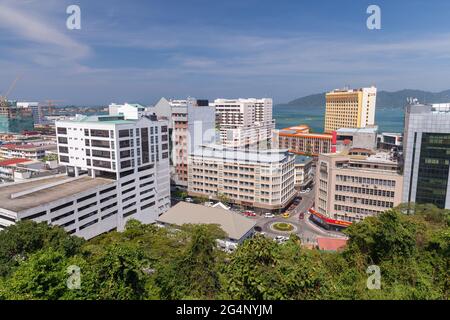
{"type": "Point", "coordinates": [283, 227]}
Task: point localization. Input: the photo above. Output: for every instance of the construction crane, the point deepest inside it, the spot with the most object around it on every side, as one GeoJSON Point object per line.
{"type": "Point", "coordinates": [4, 97]}
{"type": "Point", "coordinates": [51, 105]}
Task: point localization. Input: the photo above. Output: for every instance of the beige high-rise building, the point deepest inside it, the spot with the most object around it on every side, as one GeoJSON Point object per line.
{"type": "Point", "coordinates": [350, 108]}
{"type": "Point", "coordinates": [357, 183]}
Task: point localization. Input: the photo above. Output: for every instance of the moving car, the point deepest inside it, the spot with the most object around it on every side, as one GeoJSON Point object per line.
{"type": "Point", "coordinates": [301, 215]}
{"type": "Point", "coordinates": [269, 215]}
{"type": "Point", "coordinates": [286, 215]}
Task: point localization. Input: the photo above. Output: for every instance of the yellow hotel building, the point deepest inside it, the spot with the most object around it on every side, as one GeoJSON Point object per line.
{"type": "Point", "coordinates": [350, 108]}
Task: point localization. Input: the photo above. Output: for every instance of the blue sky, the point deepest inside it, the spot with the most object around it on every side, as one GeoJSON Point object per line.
{"type": "Point", "coordinates": [138, 51]}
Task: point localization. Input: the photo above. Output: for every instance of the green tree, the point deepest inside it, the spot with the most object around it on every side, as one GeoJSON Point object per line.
{"type": "Point", "coordinates": [193, 274]}
{"type": "Point", "coordinates": [223, 198]}
{"type": "Point", "coordinates": [20, 240]}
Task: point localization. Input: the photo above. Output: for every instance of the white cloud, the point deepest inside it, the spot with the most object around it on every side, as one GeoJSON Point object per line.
{"type": "Point", "coordinates": [43, 43]}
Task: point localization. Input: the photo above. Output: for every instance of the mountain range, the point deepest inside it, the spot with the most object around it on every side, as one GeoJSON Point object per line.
{"type": "Point", "coordinates": [385, 99]}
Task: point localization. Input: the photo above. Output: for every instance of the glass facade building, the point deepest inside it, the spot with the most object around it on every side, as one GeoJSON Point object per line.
{"type": "Point", "coordinates": [427, 154]}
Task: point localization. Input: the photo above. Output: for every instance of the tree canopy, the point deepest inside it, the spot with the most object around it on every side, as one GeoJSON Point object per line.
{"type": "Point", "coordinates": [410, 244]}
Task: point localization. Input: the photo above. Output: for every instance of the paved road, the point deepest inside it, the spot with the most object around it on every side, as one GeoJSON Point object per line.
{"type": "Point", "coordinates": [305, 229]}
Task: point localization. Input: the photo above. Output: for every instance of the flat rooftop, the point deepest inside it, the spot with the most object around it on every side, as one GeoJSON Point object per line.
{"type": "Point", "coordinates": [357, 130]}
{"type": "Point", "coordinates": [246, 155]}
{"type": "Point", "coordinates": [300, 159]}
{"type": "Point", "coordinates": [46, 190]}
{"type": "Point", "coordinates": [100, 119]}
{"type": "Point", "coordinates": [303, 131]}
{"type": "Point", "coordinates": [235, 225]}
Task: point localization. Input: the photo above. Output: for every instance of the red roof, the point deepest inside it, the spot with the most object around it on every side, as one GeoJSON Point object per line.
{"type": "Point", "coordinates": [17, 146]}
{"type": "Point", "coordinates": [331, 244]}
{"type": "Point", "coordinates": [13, 161]}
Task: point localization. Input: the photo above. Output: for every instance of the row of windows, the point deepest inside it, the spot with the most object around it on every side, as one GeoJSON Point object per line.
{"type": "Point", "coordinates": [363, 180]}
{"type": "Point", "coordinates": [375, 192]}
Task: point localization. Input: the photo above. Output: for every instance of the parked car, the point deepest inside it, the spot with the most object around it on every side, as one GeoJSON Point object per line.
{"type": "Point", "coordinates": [189, 200]}
{"type": "Point", "coordinates": [249, 214]}
{"type": "Point", "coordinates": [269, 215]}
{"type": "Point", "coordinates": [308, 190]}
{"type": "Point", "coordinates": [281, 239]}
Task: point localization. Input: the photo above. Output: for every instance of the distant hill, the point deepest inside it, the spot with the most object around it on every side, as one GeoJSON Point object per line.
{"type": "Point", "coordinates": [385, 99]}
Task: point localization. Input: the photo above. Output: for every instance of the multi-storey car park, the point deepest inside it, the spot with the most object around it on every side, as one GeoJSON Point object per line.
{"type": "Point", "coordinates": [118, 169]}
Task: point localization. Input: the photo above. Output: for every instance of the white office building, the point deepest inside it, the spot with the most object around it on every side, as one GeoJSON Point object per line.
{"type": "Point", "coordinates": [244, 122]}
{"type": "Point", "coordinates": [117, 170]}
{"type": "Point", "coordinates": [128, 110]}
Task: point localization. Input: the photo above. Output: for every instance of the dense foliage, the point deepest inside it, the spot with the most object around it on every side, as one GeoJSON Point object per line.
{"type": "Point", "coordinates": [411, 245]}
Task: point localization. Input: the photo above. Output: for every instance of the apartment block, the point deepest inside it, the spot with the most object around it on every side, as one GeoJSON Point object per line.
{"type": "Point", "coordinates": [191, 124]}
{"type": "Point", "coordinates": [32, 151]}
{"type": "Point", "coordinates": [426, 149]}
{"type": "Point", "coordinates": [244, 122]}
{"type": "Point", "coordinates": [261, 179]}
{"type": "Point", "coordinates": [300, 140]}
{"type": "Point", "coordinates": [358, 183]}
{"type": "Point", "coordinates": [350, 108]}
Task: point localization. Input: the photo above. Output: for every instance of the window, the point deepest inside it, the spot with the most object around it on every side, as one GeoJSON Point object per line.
{"type": "Point", "coordinates": [107, 190]}
{"type": "Point", "coordinates": [100, 144]}
{"type": "Point", "coordinates": [86, 132]}
{"type": "Point", "coordinates": [125, 154]}
{"type": "Point", "coordinates": [63, 149]}
{"type": "Point", "coordinates": [61, 130]}
{"type": "Point", "coordinates": [100, 133]}
{"type": "Point", "coordinates": [125, 164]}
{"type": "Point", "coordinates": [124, 133]}
{"type": "Point", "coordinates": [101, 164]}
{"type": "Point", "coordinates": [124, 144]}
{"type": "Point", "coordinates": [145, 145]}
{"type": "Point", "coordinates": [101, 154]}
{"type": "Point", "coordinates": [62, 140]}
